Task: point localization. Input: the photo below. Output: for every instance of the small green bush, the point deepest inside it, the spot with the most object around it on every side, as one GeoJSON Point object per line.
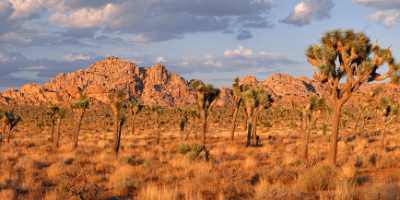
{"type": "Point", "coordinates": [198, 152]}
{"type": "Point", "coordinates": [183, 148]}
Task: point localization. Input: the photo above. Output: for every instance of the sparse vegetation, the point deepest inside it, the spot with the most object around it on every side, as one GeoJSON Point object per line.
{"type": "Point", "coordinates": [159, 159]}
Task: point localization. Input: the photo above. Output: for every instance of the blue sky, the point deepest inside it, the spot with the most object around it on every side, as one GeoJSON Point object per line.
{"type": "Point", "coordinates": [213, 40]}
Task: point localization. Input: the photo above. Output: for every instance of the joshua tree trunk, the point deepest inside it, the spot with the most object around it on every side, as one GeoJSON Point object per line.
{"type": "Point", "coordinates": [254, 128]}
{"type": "Point", "coordinates": [78, 127]}
{"type": "Point", "coordinates": [203, 115]}
{"type": "Point", "coordinates": [335, 132]}
{"type": "Point", "coordinates": [245, 123]}
{"type": "Point", "coordinates": [117, 135]}
{"type": "Point", "coordinates": [58, 132]}
{"type": "Point", "coordinates": [53, 124]}
{"type": "Point", "coordinates": [3, 133]}
{"type": "Point", "coordinates": [8, 136]}
{"type": "Point", "coordinates": [158, 139]}
{"type": "Point", "coordinates": [386, 123]}
{"type": "Point", "coordinates": [306, 135]}
{"type": "Point", "coordinates": [249, 130]}
{"type": "Point", "coordinates": [133, 124]}
{"type": "Point", "coordinates": [235, 115]}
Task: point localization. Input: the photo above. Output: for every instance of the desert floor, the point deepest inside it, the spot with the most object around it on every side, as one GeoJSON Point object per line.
{"type": "Point", "coordinates": [32, 168]}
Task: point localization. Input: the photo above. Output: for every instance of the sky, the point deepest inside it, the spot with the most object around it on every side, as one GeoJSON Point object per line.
{"type": "Point", "coordinates": [212, 40]}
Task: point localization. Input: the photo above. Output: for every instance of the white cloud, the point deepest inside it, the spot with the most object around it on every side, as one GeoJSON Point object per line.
{"type": "Point", "coordinates": [161, 60]}
{"type": "Point", "coordinates": [306, 11]}
{"type": "Point", "coordinates": [26, 75]}
{"type": "Point", "coordinates": [379, 4]}
{"type": "Point", "coordinates": [389, 18]}
{"type": "Point", "coordinates": [76, 57]}
{"type": "Point", "coordinates": [239, 52]}
{"type": "Point", "coordinates": [86, 17]}
{"type": "Point", "coordinates": [387, 11]}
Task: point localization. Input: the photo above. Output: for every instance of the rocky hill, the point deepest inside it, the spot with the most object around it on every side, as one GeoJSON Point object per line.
{"type": "Point", "coordinates": [152, 85]}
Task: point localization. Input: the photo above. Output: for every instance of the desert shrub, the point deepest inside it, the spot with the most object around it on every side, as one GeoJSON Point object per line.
{"type": "Point", "coordinates": [266, 190]}
{"type": "Point", "coordinates": [183, 148]}
{"type": "Point", "coordinates": [198, 152]}
{"type": "Point", "coordinates": [320, 177]}
{"type": "Point", "coordinates": [382, 191]}
{"type": "Point", "coordinates": [194, 152]}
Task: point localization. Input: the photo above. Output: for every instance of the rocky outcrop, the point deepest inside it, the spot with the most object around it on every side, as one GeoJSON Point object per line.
{"type": "Point", "coordinates": [151, 85]}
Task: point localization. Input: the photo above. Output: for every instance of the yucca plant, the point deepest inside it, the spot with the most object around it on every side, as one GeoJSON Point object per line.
{"type": "Point", "coordinates": [206, 95]}
{"type": "Point", "coordinates": [3, 125]}
{"type": "Point", "coordinates": [389, 111]}
{"type": "Point", "coordinates": [346, 60]}
{"type": "Point", "coordinates": [157, 113]}
{"type": "Point", "coordinates": [135, 107]}
{"type": "Point", "coordinates": [255, 100]}
{"type": "Point", "coordinates": [61, 112]}
{"type": "Point", "coordinates": [52, 115]}
{"type": "Point", "coordinates": [118, 106]}
{"type": "Point", "coordinates": [237, 99]}
{"type": "Point", "coordinates": [183, 121]}
{"type": "Point", "coordinates": [193, 116]}
{"type": "Point", "coordinates": [80, 107]}
{"type": "Point", "coordinates": [9, 122]}
{"type": "Point", "coordinates": [310, 114]}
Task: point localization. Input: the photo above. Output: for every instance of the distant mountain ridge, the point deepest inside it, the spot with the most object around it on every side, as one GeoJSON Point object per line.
{"type": "Point", "coordinates": [151, 85]}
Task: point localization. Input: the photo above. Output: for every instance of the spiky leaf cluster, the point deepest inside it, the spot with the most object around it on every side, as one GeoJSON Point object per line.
{"type": "Point", "coordinates": [389, 107]}
{"type": "Point", "coordinates": [256, 97]}
{"type": "Point", "coordinates": [82, 103]}
{"type": "Point", "coordinates": [350, 54]}
{"type": "Point", "coordinates": [54, 110]}
{"type": "Point", "coordinates": [10, 119]}
{"type": "Point", "coordinates": [316, 103]}
{"type": "Point", "coordinates": [205, 94]}
{"type": "Point", "coordinates": [135, 106]}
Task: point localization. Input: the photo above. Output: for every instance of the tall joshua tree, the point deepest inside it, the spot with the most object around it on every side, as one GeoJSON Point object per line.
{"type": "Point", "coordinates": [346, 60]}
{"type": "Point", "coordinates": [117, 103]}
{"type": "Point", "coordinates": [389, 111]}
{"type": "Point", "coordinates": [135, 108]}
{"type": "Point", "coordinates": [80, 107]}
{"type": "Point", "coordinates": [314, 106]}
{"type": "Point", "coordinates": [255, 100]}
{"type": "Point", "coordinates": [237, 98]}
{"type": "Point", "coordinates": [206, 95]}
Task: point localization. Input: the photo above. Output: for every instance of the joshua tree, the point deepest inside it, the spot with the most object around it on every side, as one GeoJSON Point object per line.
{"type": "Point", "coordinates": [183, 122]}
{"type": "Point", "coordinates": [314, 106]}
{"type": "Point", "coordinates": [9, 121]}
{"type": "Point", "coordinates": [3, 124]}
{"type": "Point", "coordinates": [52, 114]}
{"type": "Point", "coordinates": [345, 61]}
{"type": "Point", "coordinates": [134, 108]}
{"type": "Point", "coordinates": [389, 112]}
{"type": "Point", "coordinates": [237, 98]}
{"type": "Point", "coordinates": [80, 107]}
{"type": "Point", "coordinates": [205, 96]}
{"type": "Point", "coordinates": [255, 100]}
{"type": "Point", "coordinates": [61, 116]}
{"type": "Point", "coordinates": [117, 103]}
{"type": "Point", "coordinates": [157, 113]}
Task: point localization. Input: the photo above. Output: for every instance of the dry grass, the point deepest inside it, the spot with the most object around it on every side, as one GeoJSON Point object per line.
{"type": "Point", "coordinates": [31, 168]}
